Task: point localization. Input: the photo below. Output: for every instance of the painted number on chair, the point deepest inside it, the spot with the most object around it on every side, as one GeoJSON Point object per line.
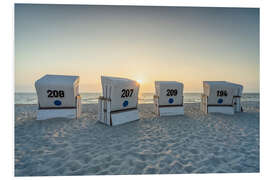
{"type": "Point", "coordinates": [55, 93]}
{"type": "Point", "coordinates": [171, 92]}
{"type": "Point", "coordinates": [222, 93]}
{"type": "Point", "coordinates": [127, 93]}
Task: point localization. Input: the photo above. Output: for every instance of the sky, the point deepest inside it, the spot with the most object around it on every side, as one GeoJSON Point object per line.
{"type": "Point", "coordinates": [186, 44]}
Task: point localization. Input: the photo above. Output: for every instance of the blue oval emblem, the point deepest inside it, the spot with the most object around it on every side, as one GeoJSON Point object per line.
{"type": "Point", "coordinates": [125, 103]}
{"type": "Point", "coordinates": [171, 100]}
{"type": "Point", "coordinates": [57, 103]}
{"type": "Point", "coordinates": [220, 101]}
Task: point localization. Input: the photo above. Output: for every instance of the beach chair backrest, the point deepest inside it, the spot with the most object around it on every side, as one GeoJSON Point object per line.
{"type": "Point", "coordinates": [122, 92]}
{"type": "Point", "coordinates": [221, 92]}
{"type": "Point", "coordinates": [169, 92]}
{"type": "Point", "coordinates": [57, 91]}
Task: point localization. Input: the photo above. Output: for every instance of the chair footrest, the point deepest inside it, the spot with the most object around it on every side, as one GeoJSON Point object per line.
{"type": "Point", "coordinates": [171, 111]}
{"type": "Point", "coordinates": [44, 114]}
{"type": "Point", "coordinates": [122, 117]}
{"type": "Point", "coordinates": [221, 109]}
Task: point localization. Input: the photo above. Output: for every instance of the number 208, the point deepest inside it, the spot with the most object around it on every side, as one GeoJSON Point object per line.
{"type": "Point", "coordinates": [55, 93]}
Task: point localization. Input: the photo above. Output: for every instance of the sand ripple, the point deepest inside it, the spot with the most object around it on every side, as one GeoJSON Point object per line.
{"type": "Point", "coordinates": [193, 143]}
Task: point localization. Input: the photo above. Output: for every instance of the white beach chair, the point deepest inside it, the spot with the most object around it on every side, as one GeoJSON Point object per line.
{"type": "Point", "coordinates": [58, 97]}
{"type": "Point", "coordinates": [168, 99]}
{"type": "Point", "coordinates": [221, 97]}
{"type": "Point", "coordinates": [119, 102]}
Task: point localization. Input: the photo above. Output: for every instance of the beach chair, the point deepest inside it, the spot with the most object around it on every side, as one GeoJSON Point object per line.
{"type": "Point", "coordinates": [221, 97]}
{"type": "Point", "coordinates": [119, 100]}
{"type": "Point", "coordinates": [168, 98]}
{"type": "Point", "coordinates": [58, 97]}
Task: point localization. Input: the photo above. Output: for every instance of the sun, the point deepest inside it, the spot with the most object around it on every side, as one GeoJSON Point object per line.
{"type": "Point", "coordinates": [139, 81]}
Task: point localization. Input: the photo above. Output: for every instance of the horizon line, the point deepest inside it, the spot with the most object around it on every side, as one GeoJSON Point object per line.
{"type": "Point", "coordinates": [139, 92]}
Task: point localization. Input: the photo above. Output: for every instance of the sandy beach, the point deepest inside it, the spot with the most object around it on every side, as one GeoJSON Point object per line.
{"type": "Point", "coordinates": [193, 143]}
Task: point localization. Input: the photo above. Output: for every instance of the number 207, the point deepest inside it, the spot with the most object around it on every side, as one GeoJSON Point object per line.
{"type": "Point", "coordinates": [127, 93]}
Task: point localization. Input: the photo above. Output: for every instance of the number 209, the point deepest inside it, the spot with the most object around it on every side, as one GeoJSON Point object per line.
{"type": "Point", "coordinates": [171, 92]}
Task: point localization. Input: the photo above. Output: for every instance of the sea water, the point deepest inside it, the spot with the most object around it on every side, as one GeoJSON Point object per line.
{"type": "Point", "coordinates": [144, 98]}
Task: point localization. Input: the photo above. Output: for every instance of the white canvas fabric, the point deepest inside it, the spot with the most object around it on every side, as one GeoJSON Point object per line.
{"type": "Point", "coordinates": [238, 89]}
{"type": "Point", "coordinates": [169, 92]}
{"type": "Point", "coordinates": [57, 91]}
{"type": "Point", "coordinates": [221, 92]}
{"type": "Point", "coordinates": [122, 92]}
